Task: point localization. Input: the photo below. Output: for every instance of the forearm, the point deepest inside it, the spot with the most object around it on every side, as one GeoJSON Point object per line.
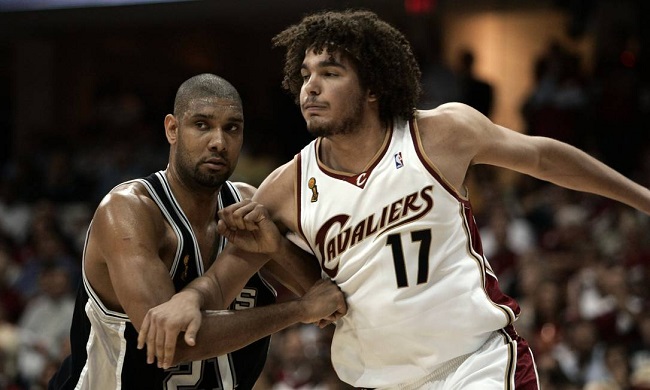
{"type": "Point", "coordinates": [569, 167]}
{"type": "Point", "coordinates": [205, 292]}
{"type": "Point", "coordinates": [297, 269]}
{"type": "Point", "coordinates": [225, 331]}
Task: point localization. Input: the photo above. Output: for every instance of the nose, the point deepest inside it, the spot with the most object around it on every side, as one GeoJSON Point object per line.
{"type": "Point", "coordinates": [311, 86]}
{"type": "Point", "coordinates": [217, 140]}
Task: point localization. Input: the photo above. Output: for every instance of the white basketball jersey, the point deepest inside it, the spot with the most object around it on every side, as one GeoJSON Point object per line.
{"type": "Point", "coordinates": [403, 246]}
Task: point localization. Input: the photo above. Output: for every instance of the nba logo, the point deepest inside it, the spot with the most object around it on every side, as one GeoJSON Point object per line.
{"type": "Point", "coordinates": [398, 160]}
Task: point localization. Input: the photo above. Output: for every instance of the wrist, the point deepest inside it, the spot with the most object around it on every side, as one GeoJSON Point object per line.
{"type": "Point", "coordinates": [278, 248]}
{"type": "Point", "coordinates": [190, 296]}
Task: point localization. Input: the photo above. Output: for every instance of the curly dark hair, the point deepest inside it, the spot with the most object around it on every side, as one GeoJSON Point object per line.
{"type": "Point", "coordinates": [383, 56]}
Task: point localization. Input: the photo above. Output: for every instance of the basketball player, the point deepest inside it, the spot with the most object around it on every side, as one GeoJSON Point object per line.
{"type": "Point", "coordinates": [380, 198]}
{"type": "Point", "coordinates": [150, 237]}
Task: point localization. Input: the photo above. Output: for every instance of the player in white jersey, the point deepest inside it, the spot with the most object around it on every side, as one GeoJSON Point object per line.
{"type": "Point", "coordinates": [379, 197]}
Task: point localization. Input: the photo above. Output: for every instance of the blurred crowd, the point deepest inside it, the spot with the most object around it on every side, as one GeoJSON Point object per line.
{"type": "Point", "coordinates": [579, 265]}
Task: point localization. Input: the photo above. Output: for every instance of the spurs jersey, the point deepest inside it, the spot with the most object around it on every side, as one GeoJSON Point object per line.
{"type": "Point", "coordinates": [104, 342]}
{"type": "Point", "coordinates": [403, 246]}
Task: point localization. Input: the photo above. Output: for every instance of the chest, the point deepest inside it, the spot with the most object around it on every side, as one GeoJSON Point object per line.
{"type": "Point", "coordinates": [188, 251]}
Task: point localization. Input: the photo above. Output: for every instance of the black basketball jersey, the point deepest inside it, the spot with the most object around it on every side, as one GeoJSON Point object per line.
{"type": "Point", "coordinates": [104, 352]}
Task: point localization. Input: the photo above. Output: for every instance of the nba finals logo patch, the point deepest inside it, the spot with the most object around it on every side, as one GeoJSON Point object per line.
{"type": "Point", "coordinates": [314, 189]}
{"type": "Point", "coordinates": [186, 264]}
{"type": "Point", "coordinates": [398, 160]}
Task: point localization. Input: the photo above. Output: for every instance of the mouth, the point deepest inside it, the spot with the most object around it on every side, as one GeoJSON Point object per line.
{"type": "Point", "coordinates": [313, 107]}
{"type": "Point", "coordinates": [215, 163]}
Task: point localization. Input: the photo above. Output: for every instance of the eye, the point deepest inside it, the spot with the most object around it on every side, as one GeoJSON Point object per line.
{"type": "Point", "coordinates": [231, 128]}
{"type": "Point", "coordinates": [201, 125]}
{"type": "Point", "coordinates": [305, 77]}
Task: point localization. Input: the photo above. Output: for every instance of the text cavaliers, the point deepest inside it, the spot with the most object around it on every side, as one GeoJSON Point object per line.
{"type": "Point", "coordinates": [397, 213]}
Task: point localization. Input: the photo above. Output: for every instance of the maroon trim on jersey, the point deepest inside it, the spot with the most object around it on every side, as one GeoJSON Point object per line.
{"type": "Point", "coordinates": [525, 377]}
{"type": "Point", "coordinates": [490, 284]}
{"type": "Point", "coordinates": [419, 150]}
{"type": "Point", "coordinates": [298, 162]}
{"type": "Point", "coordinates": [359, 179]}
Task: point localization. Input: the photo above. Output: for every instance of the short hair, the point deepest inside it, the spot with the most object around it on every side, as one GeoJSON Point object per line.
{"type": "Point", "coordinates": [202, 86]}
{"type": "Point", "coordinates": [383, 56]}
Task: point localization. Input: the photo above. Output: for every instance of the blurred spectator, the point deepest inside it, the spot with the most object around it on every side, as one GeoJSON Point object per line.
{"type": "Point", "coordinates": [604, 299]}
{"type": "Point", "coordinates": [556, 105]}
{"type": "Point", "coordinates": [617, 368]}
{"type": "Point", "coordinates": [9, 341]}
{"type": "Point", "coordinates": [45, 324]}
{"type": "Point", "coordinates": [439, 82]}
{"type": "Point", "coordinates": [473, 91]}
{"type": "Point", "coordinates": [11, 300]}
{"type": "Point", "coordinates": [15, 211]}
{"type": "Point", "coordinates": [47, 245]}
{"type": "Point", "coordinates": [299, 359]}
{"type": "Point", "coordinates": [505, 238]}
{"type": "Point", "coordinates": [62, 183]}
{"type": "Point", "coordinates": [640, 350]}
{"type": "Point", "coordinates": [580, 356]}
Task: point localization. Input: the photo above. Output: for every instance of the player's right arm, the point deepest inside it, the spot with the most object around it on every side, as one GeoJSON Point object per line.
{"type": "Point", "coordinates": [123, 257]}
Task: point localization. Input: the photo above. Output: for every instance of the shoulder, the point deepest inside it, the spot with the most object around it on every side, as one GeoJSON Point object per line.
{"type": "Point", "coordinates": [449, 116]}
{"type": "Point", "coordinates": [127, 202]}
{"type": "Point", "coordinates": [454, 125]}
{"type": "Point", "coordinates": [246, 190]}
{"type": "Point", "coordinates": [277, 193]}
{"type": "Point", "coordinates": [282, 176]}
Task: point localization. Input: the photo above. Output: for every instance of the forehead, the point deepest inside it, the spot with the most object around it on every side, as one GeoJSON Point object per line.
{"type": "Point", "coordinates": [326, 58]}
{"type": "Point", "coordinates": [213, 106]}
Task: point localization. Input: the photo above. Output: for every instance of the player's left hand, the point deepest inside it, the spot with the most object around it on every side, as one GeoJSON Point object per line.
{"type": "Point", "coordinates": [247, 225]}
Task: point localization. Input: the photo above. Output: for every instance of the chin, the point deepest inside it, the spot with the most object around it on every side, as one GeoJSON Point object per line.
{"type": "Point", "coordinates": [318, 129]}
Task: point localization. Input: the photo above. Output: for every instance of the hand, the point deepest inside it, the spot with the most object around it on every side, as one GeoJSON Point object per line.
{"type": "Point", "coordinates": [247, 225]}
{"type": "Point", "coordinates": [323, 303]}
{"type": "Point", "coordinates": [163, 323]}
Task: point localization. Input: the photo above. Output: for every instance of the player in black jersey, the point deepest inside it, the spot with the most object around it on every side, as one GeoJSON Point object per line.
{"type": "Point", "coordinates": [150, 237]}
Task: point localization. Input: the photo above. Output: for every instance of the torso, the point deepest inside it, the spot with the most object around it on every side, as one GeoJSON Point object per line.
{"type": "Point", "coordinates": [400, 240]}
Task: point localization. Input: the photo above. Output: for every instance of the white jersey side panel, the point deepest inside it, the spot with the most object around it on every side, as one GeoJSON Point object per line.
{"type": "Point", "coordinates": [402, 246]}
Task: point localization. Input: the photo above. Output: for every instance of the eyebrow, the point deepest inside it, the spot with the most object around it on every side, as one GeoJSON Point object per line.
{"type": "Point", "coordinates": [232, 118]}
{"type": "Point", "coordinates": [326, 63]}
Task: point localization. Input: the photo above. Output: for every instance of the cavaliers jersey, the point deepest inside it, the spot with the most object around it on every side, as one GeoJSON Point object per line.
{"type": "Point", "coordinates": [403, 246]}
{"type": "Point", "coordinates": [104, 352]}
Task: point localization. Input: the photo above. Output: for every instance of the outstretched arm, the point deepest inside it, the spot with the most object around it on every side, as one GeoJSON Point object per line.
{"type": "Point", "coordinates": [476, 140]}
{"type": "Point", "coordinates": [564, 165]}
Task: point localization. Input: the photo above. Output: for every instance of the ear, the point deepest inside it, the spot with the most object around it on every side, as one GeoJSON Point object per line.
{"type": "Point", "coordinates": [171, 128]}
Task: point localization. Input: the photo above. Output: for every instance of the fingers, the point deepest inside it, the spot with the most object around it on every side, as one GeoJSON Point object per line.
{"type": "Point", "coordinates": [190, 333]}
{"type": "Point", "coordinates": [159, 340]}
{"type": "Point", "coordinates": [168, 349]}
{"type": "Point", "coordinates": [151, 342]}
{"type": "Point", "coordinates": [245, 215]}
{"type": "Point", "coordinates": [324, 303]}
{"type": "Point", "coordinates": [144, 329]}
{"type": "Point", "coordinates": [146, 336]}
{"type": "Point", "coordinates": [159, 347]}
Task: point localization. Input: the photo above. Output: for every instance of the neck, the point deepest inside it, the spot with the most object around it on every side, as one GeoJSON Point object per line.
{"type": "Point", "coordinates": [199, 204]}
{"type": "Point", "coordinates": [353, 152]}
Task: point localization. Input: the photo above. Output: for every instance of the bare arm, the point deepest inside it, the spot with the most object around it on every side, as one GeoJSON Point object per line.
{"type": "Point", "coordinates": [122, 260]}
{"type": "Point", "coordinates": [277, 194]}
{"type": "Point", "coordinates": [224, 331]}
{"type": "Point", "coordinates": [483, 142]}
